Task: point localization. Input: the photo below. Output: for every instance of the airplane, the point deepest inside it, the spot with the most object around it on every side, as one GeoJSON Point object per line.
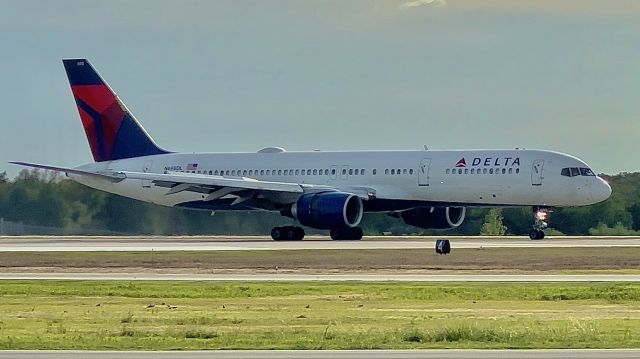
{"type": "Point", "coordinates": [429, 189]}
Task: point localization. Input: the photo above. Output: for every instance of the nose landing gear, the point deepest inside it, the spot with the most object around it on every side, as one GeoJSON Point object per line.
{"type": "Point", "coordinates": [541, 214]}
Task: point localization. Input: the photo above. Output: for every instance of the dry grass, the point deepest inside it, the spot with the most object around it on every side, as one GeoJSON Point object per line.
{"type": "Point", "coordinates": [490, 259]}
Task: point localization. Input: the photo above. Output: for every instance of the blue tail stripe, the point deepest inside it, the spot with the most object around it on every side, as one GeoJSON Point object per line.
{"type": "Point", "coordinates": [80, 72]}
{"type": "Point", "coordinates": [97, 124]}
{"type": "Point", "coordinates": [131, 139]}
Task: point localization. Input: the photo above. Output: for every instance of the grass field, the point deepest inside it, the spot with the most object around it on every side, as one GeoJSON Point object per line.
{"type": "Point", "coordinates": [204, 315]}
{"type": "Point", "coordinates": [491, 259]}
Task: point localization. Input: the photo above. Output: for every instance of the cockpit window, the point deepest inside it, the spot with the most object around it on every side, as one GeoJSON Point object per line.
{"type": "Point", "coordinates": [586, 172]}
{"type": "Point", "coordinates": [575, 171]}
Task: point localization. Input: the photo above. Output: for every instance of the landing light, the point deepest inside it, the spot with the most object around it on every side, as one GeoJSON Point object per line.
{"type": "Point", "coordinates": [541, 215]}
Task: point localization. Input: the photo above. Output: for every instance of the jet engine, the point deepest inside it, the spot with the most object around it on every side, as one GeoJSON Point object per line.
{"type": "Point", "coordinates": [328, 210]}
{"type": "Point", "coordinates": [434, 217]}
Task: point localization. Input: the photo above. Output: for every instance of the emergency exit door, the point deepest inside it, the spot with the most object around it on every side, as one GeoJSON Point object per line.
{"type": "Point", "coordinates": [423, 172]}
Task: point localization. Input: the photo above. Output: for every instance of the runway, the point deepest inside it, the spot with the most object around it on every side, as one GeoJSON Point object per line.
{"type": "Point", "coordinates": [226, 243]}
{"type": "Point", "coordinates": [276, 277]}
{"type": "Point", "coordinates": [330, 354]}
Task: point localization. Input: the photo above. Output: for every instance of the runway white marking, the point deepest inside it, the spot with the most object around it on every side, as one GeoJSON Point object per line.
{"type": "Point", "coordinates": [330, 354]}
{"type": "Point", "coordinates": [276, 277]}
{"type": "Point", "coordinates": [90, 244]}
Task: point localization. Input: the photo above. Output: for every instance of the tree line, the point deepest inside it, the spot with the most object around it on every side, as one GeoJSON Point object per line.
{"type": "Point", "coordinates": [48, 199]}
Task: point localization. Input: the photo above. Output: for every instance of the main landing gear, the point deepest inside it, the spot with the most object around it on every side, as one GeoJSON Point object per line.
{"type": "Point", "coordinates": [347, 234]}
{"type": "Point", "coordinates": [291, 233]}
{"type": "Point", "coordinates": [541, 214]}
{"type": "Point", "coordinates": [287, 233]}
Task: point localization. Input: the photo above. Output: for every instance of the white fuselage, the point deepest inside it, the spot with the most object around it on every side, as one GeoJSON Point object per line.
{"type": "Point", "coordinates": [391, 179]}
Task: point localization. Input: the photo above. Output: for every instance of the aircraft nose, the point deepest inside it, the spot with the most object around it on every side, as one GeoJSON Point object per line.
{"type": "Point", "coordinates": [600, 190]}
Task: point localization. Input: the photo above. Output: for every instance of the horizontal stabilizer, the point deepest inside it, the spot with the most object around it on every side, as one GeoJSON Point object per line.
{"type": "Point", "coordinates": [111, 178]}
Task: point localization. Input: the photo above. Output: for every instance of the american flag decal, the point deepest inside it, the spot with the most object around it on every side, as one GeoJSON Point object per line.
{"type": "Point", "coordinates": [192, 166]}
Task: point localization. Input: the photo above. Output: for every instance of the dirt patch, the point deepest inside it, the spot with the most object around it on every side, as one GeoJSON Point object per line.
{"type": "Point", "coordinates": [410, 260]}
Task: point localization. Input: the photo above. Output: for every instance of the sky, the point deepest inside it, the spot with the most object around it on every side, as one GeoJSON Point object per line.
{"type": "Point", "coordinates": [237, 76]}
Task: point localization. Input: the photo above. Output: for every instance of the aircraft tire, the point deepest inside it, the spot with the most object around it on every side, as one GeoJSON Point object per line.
{"type": "Point", "coordinates": [277, 234]}
{"type": "Point", "coordinates": [536, 234]}
{"type": "Point", "coordinates": [294, 233]}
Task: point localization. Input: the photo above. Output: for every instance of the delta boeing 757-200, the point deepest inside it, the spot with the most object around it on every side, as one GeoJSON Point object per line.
{"type": "Point", "coordinates": [322, 190]}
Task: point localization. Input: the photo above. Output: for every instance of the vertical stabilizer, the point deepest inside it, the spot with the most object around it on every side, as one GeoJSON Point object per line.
{"type": "Point", "coordinates": [112, 131]}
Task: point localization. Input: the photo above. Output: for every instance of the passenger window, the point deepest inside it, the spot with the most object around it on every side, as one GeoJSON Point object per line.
{"type": "Point", "coordinates": [393, 171]}
{"type": "Point", "coordinates": [374, 171]}
{"type": "Point", "coordinates": [411, 171]}
{"type": "Point", "coordinates": [466, 171]}
{"type": "Point", "coordinates": [575, 172]}
{"type": "Point", "coordinates": [510, 170]}
{"type": "Point", "coordinates": [491, 171]}
{"type": "Point", "coordinates": [356, 172]}
{"type": "Point", "coordinates": [386, 171]}
{"type": "Point", "coordinates": [473, 170]}
{"type": "Point", "coordinates": [326, 172]}
{"type": "Point", "coordinates": [215, 173]}
{"type": "Point", "coordinates": [315, 172]}
{"type": "Point", "coordinates": [504, 170]}
{"type": "Point", "coordinates": [350, 171]}
{"type": "Point", "coordinates": [404, 171]}
{"type": "Point", "coordinates": [233, 172]}
{"type": "Point", "coordinates": [268, 172]}
{"type": "Point", "coordinates": [459, 171]}
{"type": "Point", "coordinates": [398, 171]}
{"type": "Point", "coordinates": [448, 171]}
{"type": "Point", "coordinates": [333, 171]}
{"type": "Point", "coordinates": [262, 172]}
{"type": "Point", "coordinates": [517, 170]}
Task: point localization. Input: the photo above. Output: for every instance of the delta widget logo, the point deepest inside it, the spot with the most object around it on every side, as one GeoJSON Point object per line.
{"type": "Point", "coordinates": [461, 163]}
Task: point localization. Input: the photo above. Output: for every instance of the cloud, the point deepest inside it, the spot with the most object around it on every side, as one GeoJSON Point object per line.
{"type": "Point", "coordinates": [418, 3]}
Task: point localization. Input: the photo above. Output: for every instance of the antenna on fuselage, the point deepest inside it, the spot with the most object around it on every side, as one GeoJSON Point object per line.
{"type": "Point", "coordinates": [425, 147]}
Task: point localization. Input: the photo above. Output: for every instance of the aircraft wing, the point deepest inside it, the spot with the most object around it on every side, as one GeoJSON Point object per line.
{"type": "Point", "coordinates": [214, 187]}
{"type": "Point", "coordinates": [217, 186]}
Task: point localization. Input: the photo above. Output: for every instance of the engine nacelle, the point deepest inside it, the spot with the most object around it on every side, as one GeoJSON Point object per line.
{"type": "Point", "coordinates": [328, 210]}
{"type": "Point", "coordinates": [434, 217]}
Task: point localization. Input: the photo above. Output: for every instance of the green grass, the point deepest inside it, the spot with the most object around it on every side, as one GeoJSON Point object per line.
{"type": "Point", "coordinates": [205, 315]}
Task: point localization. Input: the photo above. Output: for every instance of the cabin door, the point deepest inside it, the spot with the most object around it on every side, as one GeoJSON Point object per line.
{"type": "Point", "coordinates": [423, 172]}
{"type": "Point", "coordinates": [147, 169]}
{"type": "Point", "coordinates": [536, 172]}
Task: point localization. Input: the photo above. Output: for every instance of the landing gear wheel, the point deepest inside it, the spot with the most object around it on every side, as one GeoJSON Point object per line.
{"type": "Point", "coordinates": [347, 234]}
{"type": "Point", "coordinates": [288, 233]}
{"type": "Point", "coordinates": [294, 233]}
{"type": "Point", "coordinates": [536, 234]}
{"type": "Point", "coordinates": [276, 234]}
